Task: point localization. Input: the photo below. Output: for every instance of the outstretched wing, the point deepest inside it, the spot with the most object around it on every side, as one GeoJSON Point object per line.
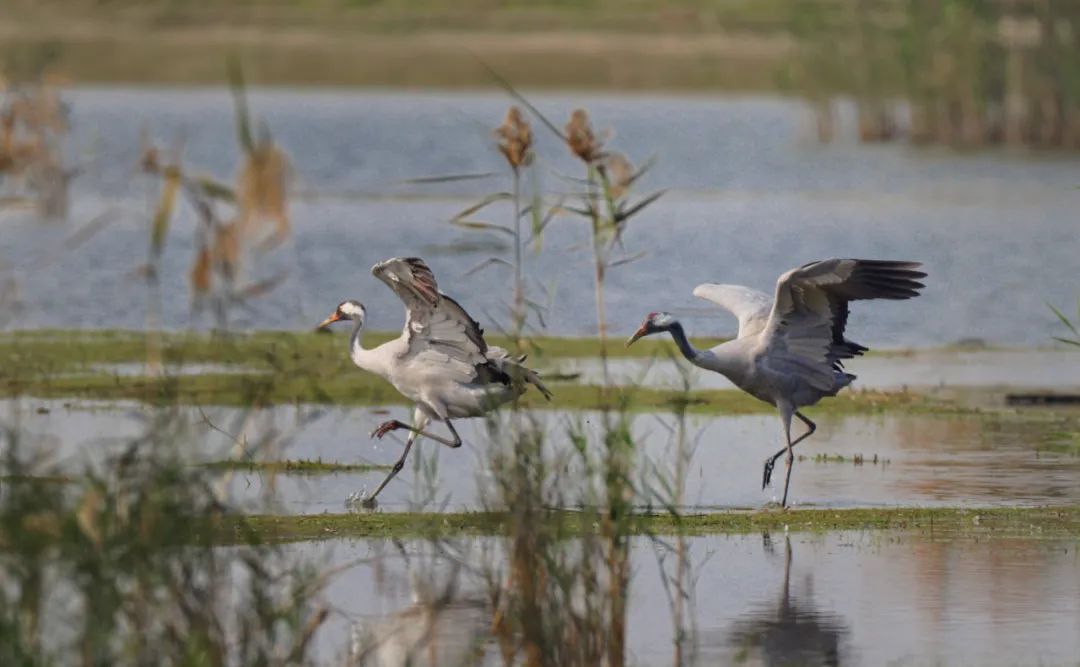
{"type": "Point", "coordinates": [749, 305]}
{"type": "Point", "coordinates": [806, 326]}
{"type": "Point", "coordinates": [439, 331]}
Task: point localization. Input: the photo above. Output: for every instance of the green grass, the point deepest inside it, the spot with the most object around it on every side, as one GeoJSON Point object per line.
{"type": "Point", "coordinates": [356, 388]}
{"type": "Point", "coordinates": [288, 367]}
{"type": "Point", "coordinates": [948, 520]}
{"type": "Point", "coordinates": [297, 466]}
{"type": "Point", "coordinates": [1061, 442]}
{"type": "Point", "coordinates": [403, 16]}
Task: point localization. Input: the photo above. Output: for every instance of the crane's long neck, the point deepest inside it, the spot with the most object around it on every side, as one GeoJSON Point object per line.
{"type": "Point", "coordinates": [688, 350]}
{"type": "Point", "coordinates": [704, 358]}
{"type": "Point", "coordinates": [366, 359]}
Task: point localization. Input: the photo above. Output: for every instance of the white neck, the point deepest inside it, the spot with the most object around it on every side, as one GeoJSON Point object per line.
{"type": "Point", "coordinates": [366, 359]}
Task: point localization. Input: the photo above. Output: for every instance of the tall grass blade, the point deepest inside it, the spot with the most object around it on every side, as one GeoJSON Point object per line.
{"type": "Point", "coordinates": [243, 117]}
{"type": "Point", "coordinates": [160, 224]}
{"type": "Point", "coordinates": [638, 207]}
{"type": "Point", "coordinates": [1064, 320]}
{"type": "Point", "coordinates": [482, 226]}
{"type": "Point", "coordinates": [486, 201]}
{"type": "Point", "coordinates": [215, 189]}
{"type": "Point", "coordinates": [509, 87]}
{"type": "Point", "coordinates": [627, 260]}
{"type": "Point", "coordinates": [449, 178]}
{"type": "Point", "coordinates": [490, 261]}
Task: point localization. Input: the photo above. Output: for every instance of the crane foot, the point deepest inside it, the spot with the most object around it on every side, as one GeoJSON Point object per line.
{"type": "Point", "coordinates": [386, 427]}
{"type": "Point", "coordinates": [767, 477]}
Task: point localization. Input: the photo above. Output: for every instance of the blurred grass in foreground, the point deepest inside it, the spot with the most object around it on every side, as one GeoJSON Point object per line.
{"type": "Point", "coordinates": [119, 565]}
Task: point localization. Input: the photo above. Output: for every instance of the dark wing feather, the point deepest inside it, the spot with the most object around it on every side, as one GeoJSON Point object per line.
{"type": "Point", "coordinates": [811, 309]}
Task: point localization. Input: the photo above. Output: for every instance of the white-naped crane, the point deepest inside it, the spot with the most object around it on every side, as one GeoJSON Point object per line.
{"type": "Point", "coordinates": [440, 362]}
{"type": "Point", "coordinates": [790, 348]}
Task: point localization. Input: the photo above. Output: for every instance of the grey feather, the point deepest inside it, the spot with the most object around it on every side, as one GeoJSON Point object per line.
{"type": "Point", "coordinates": [441, 336]}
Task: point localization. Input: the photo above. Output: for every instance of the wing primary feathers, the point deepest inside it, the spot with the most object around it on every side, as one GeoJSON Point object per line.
{"type": "Point", "coordinates": [473, 331]}
{"type": "Point", "coordinates": [799, 314]}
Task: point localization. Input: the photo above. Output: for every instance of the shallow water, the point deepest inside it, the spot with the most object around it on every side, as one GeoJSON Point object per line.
{"type": "Point", "coordinates": [750, 198]}
{"type": "Point", "coordinates": [835, 598]}
{"type": "Point", "coordinates": [920, 459]}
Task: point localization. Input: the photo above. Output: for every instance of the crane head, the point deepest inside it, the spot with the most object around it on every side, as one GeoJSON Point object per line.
{"type": "Point", "coordinates": [346, 310]}
{"type": "Point", "coordinates": [653, 323]}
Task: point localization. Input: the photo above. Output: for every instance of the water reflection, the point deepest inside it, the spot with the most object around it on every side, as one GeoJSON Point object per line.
{"type": "Point", "coordinates": [790, 630]}
{"type": "Point", "coordinates": [441, 626]}
{"type": "Point", "coordinates": [800, 599]}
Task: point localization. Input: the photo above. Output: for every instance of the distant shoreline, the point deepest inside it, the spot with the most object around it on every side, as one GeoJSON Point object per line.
{"type": "Point", "coordinates": [549, 49]}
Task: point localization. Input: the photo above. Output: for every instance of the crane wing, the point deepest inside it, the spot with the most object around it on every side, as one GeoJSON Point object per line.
{"type": "Point", "coordinates": [749, 305]}
{"type": "Point", "coordinates": [438, 330]}
{"type": "Point", "coordinates": [805, 330]}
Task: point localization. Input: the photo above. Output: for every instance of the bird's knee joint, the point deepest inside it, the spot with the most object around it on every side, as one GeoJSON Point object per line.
{"type": "Point", "coordinates": [398, 466]}
{"type": "Point", "coordinates": [455, 444]}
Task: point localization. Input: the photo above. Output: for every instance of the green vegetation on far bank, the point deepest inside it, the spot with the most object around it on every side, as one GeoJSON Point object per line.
{"type": "Point", "coordinates": [273, 368]}
{"type": "Point", "coordinates": [1042, 521]}
{"type": "Point", "coordinates": [358, 389]}
{"type": "Point", "coordinates": [603, 44]}
{"type": "Point", "coordinates": [969, 73]}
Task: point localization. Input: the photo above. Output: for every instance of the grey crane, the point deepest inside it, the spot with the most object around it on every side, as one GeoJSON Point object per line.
{"type": "Point", "coordinates": [440, 362]}
{"type": "Point", "coordinates": [790, 348]}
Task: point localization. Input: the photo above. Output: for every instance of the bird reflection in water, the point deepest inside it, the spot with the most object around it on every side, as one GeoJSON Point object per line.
{"type": "Point", "coordinates": [443, 626]}
{"type": "Point", "coordinates": [790, 631]}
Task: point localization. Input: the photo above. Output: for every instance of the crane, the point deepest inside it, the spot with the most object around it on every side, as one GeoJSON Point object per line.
{"type": "Point", "coordinates": [790, 348]}
{"type": "Point", "coordinates": [440, 362]}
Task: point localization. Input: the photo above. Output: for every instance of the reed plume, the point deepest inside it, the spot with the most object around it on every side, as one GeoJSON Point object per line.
{"type": "Point", "coordinates": [515, 138]}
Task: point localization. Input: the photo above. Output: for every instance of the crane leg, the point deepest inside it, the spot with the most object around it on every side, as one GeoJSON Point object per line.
{"type": "Point", "coordinates": [771, 461]}
{"type": "Point", "coordinates": [394, 424]}
{"type": "Point", "coordinates": [786, 412]}
{"type": "Point", "coordinates": [416, 431]}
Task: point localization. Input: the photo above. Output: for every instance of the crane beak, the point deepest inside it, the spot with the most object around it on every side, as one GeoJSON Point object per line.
{"type": "Point", "coordinates": [643, 330]}
{"type": "Point", "coordinates": [328, 321]}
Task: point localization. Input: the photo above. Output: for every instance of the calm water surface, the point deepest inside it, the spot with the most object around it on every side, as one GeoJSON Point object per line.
{"type": "Point", "coordinates": [749, 197]}
{"type": "Point", "coordinates": [975, 460]}
{"type": "Point", "coordinates": [846, 598]}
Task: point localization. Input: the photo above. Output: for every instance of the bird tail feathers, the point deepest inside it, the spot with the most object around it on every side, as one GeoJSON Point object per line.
{"type": "Point", "coordinates": [533, 378]}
